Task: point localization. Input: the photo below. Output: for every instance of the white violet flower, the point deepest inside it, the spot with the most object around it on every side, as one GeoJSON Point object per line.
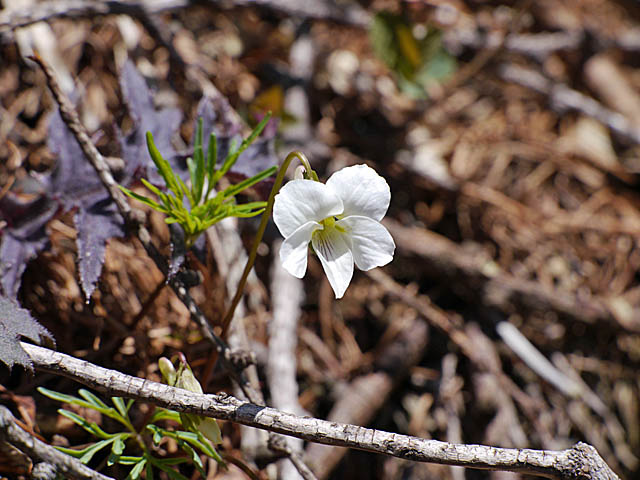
{"type": "Point", "coordinates": [341, 219]}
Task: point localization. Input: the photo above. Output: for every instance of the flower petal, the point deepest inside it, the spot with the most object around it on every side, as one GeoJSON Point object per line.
{"type": "Point", "coordinates": [362, 191]}
{"type": "Point", "coordinates": [294, 250]}
{"type": "Point", "coordinates": [333, 250]}
{"type": "Point", "coordinates": [302, 201]}
{"type": "Point", "coordinates": [371, 243]}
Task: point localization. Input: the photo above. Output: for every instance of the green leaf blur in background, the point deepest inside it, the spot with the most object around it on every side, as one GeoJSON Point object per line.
{"type": "Point", "coordinates": [417, 60]}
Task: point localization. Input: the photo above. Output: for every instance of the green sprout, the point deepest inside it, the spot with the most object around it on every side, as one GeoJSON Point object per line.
{"type": "Point", "coordinates": [206, 205]}
{"type": "Point", "coordinates": [189, 439]}
{"type": "Point", "coordinates": [203, 427]}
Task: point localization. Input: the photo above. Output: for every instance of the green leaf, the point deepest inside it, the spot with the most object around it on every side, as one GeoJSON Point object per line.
{"type": "Point", "coordinates": [232, 157]}
{"type": "Point", "coordinates": [185, 193]}
{"type": "Point", "coordinates": [195, 458]}
{"type": "Point", "coordinates": [61, 397]}
{"type": "Point", "coordinates": [142, 198]}
{"type": "Point", "coordinates": [129, 460]}
{"type": "Point", "coordinates": [249, 182]}
{"type": "Point", "coordinates": [135, 472]}
{"type": "Point", "coordinates": [73, 452]}
{"type": "Point", "coordinates": [93, 449]}
{"type": "Point", "coordinates": [197, 176]}
{"type": "Point", "coordinates": [90, 427]}
{"type": "Point", "coordinates": [164, 414]}
{"type": "Point", "coordinates": [212, 159]}
{"type": "Point", "coordinates": [122, 408]}
{"type": "Point", "coordinates": [116, 449]}
{"type": "Point", "coordinates": [150, 186]}
{"type": "Point", "coordinates": [163, 166]}
{"type": "Point", "coordinates": [248, 214]}
{"type": "Point", "coordinates": [93, 399]}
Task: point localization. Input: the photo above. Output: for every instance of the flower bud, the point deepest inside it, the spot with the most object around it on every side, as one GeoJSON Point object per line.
{"type": "Point", "coordinates": [300, 173]}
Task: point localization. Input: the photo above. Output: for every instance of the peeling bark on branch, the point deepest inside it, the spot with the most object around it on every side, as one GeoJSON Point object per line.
{"type": "Point", "coordinates": [579, 462]}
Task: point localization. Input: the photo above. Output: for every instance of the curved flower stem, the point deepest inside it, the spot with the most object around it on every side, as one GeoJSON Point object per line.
{"type": "Point", "coordinates": [263, 225]}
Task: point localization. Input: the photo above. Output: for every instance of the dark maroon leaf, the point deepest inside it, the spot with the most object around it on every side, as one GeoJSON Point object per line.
{"type": "Point", "coordinates": [76, 184]}
{"type": "Point", "coordinates": [74, 181]}
{"type": "Point", "coordinates": [17, 323]}
{"type": "Point", "coordinates": [26, 209]}
{"type": "Point", "coordinates": [95, 226]}
{"type": "Point", "coordinates": [161, 123]}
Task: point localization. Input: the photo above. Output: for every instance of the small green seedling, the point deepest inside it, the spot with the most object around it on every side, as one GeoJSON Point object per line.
{"type": "Point", "coordinates": [206, 206]}
{"type": "Point", "coordinates": [139, 441]}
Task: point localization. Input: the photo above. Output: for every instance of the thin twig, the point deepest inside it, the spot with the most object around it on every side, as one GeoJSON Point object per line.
{"type": "Point", "coordinates": [580, 462]}
{"type": "Point", "coordinates": [27, 443]}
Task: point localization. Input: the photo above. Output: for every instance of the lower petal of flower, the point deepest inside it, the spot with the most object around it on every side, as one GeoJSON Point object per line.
{"type": "Point", "coordinates": [334, 251]}
{"type": "Point", "coordinates": [293, 252]}
{"type": "Point", "coordinates": [371, 243]}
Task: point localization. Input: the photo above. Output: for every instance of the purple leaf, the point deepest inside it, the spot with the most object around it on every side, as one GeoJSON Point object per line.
{"type": "Point", "coordinates": [16, 322]}
{"type": "Point", "coordinates": [95, 226]}
{"type": "Point", "coordinates": [26, 209]}
{"type": "Point", "coordinates": [74, 181]}
{"type": "Point", "coordinates": [15, 254]}
{"type": "Point", "coordinates": [161, 123]}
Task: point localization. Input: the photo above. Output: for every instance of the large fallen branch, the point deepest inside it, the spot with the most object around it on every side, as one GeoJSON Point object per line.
{"type": "Point", "coordinates": [579, 462]}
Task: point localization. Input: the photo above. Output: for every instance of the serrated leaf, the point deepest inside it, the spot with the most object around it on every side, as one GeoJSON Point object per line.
{"type": "Point", "coordinates": [15, 254]}
{"type": "Point", "coordinates": [161, 123]}
{"type": "Point", "coordinates": [74, 180]}
{"type": "Point", "coordinates": [17, 323]}
{"type": "Point", "coordinates": [27, 209]}
{"type": "Point", "coordinates": [95, 226]}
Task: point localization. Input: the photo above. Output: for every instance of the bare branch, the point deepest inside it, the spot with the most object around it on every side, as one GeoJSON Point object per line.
{"type": "Point", "coordinates": [27, 443]}
{"type": "Point", "coordinates": [579, 462]}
